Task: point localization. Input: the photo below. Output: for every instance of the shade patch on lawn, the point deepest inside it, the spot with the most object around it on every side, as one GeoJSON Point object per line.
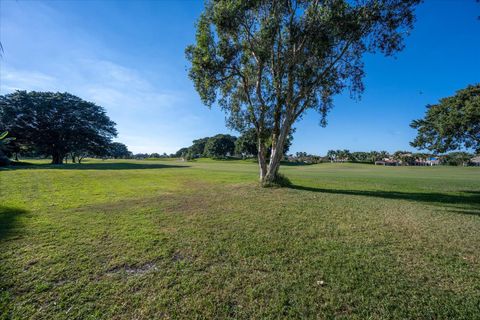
{"type": "Point", "coordinates": [9, 221]}
{"type": "Point", "coordinates": [204, 241]}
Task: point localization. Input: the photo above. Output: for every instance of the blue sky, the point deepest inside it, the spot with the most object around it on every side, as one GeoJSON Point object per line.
{"type": "Point", "coordinates": [128, 56]}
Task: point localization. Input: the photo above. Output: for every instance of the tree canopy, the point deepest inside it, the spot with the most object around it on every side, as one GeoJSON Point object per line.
{"type": "Point", "coordinates": [118, 150]}
{"type": "Point", "coordinates": [266, 62]}
{"type": "Point", "coordinates": [247, 144]}
{"type": "Point", "coordinates": [452, 124]}
{"type": "Point", "coordinates": [181, 152]}
{"type": "Point", "coordinates": [55, 124]}
{"type": "Point", "coordinates": [197, 148]}
{"type": "Point", "coordinates": [220, 146]}
{"type": "Point", "coordinates": [3, 147]}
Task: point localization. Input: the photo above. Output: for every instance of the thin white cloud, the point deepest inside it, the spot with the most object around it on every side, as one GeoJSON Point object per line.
{"type": "Point", "coordinates": [131, 101]}
{"type": "Point", "coordinates": [47, 49]}
{"type": "Point", "coordinates": [104, 82]}
{"type": "Point", "coordinates": [11, 80]}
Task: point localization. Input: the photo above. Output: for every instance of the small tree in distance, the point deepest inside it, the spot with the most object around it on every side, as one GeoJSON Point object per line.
{"type": "Point", "coordinates": [118, 150]}
{"type": "Point", "coordinates": [270, 61]}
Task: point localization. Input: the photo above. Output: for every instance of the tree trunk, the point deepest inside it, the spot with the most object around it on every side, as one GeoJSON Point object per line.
{"type": "Point", "coordinates": [16, 156]}
{"type": "Point", "coordinates": [278, 143]}
{"type": "Point", "coordinates": [273, 165]}
{"type": "Point", "coordinates": [73, 158]}
{"type": "Point", "coordinates": [262, 161]}
{"type": "Point", "coordinates": [57, 158]}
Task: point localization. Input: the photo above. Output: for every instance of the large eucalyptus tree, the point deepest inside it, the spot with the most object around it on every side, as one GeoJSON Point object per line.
{"type": "Point", "coordinates": [266, 62]}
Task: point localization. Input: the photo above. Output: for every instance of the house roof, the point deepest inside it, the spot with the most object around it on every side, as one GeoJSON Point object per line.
{"type": "Point", "coordinates": [475, 159]}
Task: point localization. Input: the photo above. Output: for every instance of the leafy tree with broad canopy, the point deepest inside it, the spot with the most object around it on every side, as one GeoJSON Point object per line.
{"type": "Point", "coordinates": [118, 150]}
{"type": "Point", "coordinates": [56, 124]}
{"type": "Point", "coordinates": [457, 158]}
{"type": "Point", "coordinates": [181, 152]}
{"type": "Point", "coordinates": [452, 124]}
{"type": "Point", "coordinates": [247, 144]}
{"type": "Point", "coordinates": [220, 145]}
{"type": "Point", "coordinates": [269, 61]}
{"type": "Point", "coordinates": [197, 148]}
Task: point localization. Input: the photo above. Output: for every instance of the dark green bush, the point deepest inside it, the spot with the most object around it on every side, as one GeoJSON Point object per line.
{"type": "Point", "coordinates": [4, 161]}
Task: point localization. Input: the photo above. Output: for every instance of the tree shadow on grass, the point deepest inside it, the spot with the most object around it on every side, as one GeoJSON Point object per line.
{"type": "Point", "coordinates": [9, 227]}
{"type": "Point", "coordinates": [98, 166]}
{"type": "Point", "coordinates": [296, 164]}
{"type": "Point", "coordinates": [9, 220]}
{"type": "Point", "coordinates": [466, 203]}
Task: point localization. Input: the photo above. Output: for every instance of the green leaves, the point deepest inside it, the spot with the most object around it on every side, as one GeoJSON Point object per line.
{"type": "Point", "coordinates": [452, 124]}
{"type": "Point", "coordinates": [3, 141]}
{"type": "Point", "coordinates": [284, 57]}
{"type": "Point", "coordinates": [220, 146]}
{"type": "Point", "coordinates": [56, 123]}
{"type": "Point", "coordinates": [266, 62]}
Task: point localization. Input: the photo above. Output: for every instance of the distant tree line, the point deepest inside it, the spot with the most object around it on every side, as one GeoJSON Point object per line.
{"type": "Point", "coordinates": [225, 145]}
{"type": "Point", "coordinates": [56, 125]}
{"type": "Point", "coordinates": [398, 157]}
{"type": "Point", "coordinates": [154, 155]}
{"type": "Point", "coordinates": [244, 146]}
{"type": "Point", "coordinates": [218, 146]}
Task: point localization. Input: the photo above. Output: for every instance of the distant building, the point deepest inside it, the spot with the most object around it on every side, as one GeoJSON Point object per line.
{"type": "Point", "coordinates": [475, 161]}
{"type": "Point", "coordinates": [387, 162]}
{"type": "Point", "coordinates": [426, 161]}
{"type": "Point", "coordinates": [433, 161]}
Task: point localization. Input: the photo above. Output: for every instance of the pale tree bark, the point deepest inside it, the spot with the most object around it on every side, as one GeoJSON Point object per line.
{"type": "Point", "coordinates": [278, 143]}
{"type": "Point", "coordinates": [277, 59]}
{"type": "Point", "coordinates": [275, 159]}
{"type": "Point", "coordinates": [262, 160]}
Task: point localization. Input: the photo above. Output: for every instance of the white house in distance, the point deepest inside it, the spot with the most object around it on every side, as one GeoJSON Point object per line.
{"type": "Point", "coordinates": [475, 161]}
{"type": "Point", "coordinates": [433, 161]}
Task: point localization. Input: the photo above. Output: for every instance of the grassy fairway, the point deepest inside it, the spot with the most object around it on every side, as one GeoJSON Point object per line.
{"type": "Point", "coordinates": [166, 239]}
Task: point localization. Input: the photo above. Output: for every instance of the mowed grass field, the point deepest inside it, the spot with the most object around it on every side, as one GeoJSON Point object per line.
{"type": "Point", "coordinates": [200, 240]}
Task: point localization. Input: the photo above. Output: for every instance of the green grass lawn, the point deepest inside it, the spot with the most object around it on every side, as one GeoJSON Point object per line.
{"type": "Point", "coordinates": [171, 239]}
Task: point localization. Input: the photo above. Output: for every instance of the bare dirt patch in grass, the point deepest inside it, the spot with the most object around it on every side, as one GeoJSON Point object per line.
{"type": "Point", "coordinates": [133, 270]}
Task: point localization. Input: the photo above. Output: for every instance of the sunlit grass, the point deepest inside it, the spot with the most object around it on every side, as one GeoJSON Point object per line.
{"type": "Point", "coordinates": [200, 239]}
